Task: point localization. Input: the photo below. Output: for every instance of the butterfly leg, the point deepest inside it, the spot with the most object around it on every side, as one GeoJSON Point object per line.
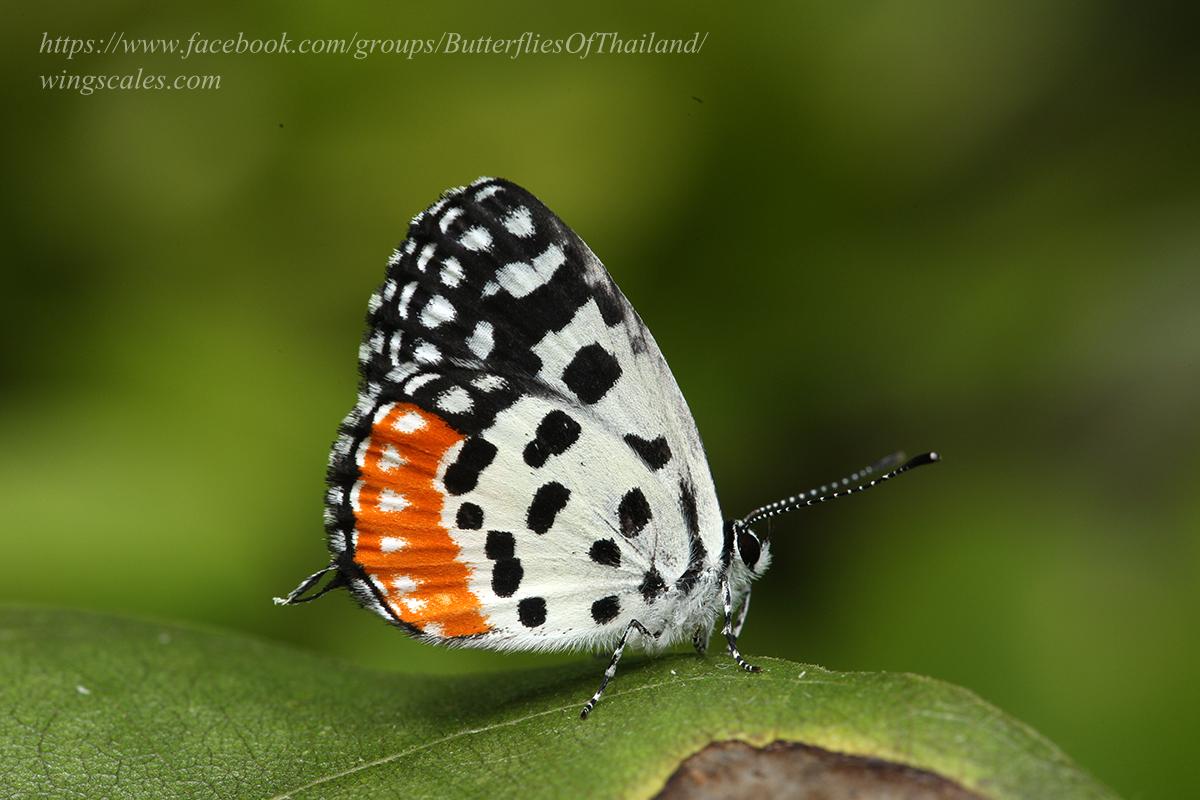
{"type": "Point", "coordinates": [612, 666]}
{"type": "Point", "coordinates": [730, 635]}
{"type": "Point", "coordinates": [742, 614]}
{"type": "Point", "coordinates": [700, 639]}
{"type": "Point", "coordinates": [295, 596]}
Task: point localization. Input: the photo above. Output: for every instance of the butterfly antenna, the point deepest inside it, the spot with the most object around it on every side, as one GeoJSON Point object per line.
{"type": "Point", "coordinates": [885, 469]}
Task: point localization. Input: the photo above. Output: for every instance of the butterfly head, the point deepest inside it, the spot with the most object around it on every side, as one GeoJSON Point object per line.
{"type": "Point", "coordinates": [754, 550]}
{"type": "Point", "coordinates": [749, 548]}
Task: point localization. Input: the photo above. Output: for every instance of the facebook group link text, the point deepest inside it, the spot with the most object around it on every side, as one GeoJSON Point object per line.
{"type": "Point", "coordinates": [579, 44]}
{"type": "Point", "coordinates": [450, 43]}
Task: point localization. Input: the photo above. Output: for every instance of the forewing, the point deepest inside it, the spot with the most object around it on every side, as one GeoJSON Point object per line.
{"type": "Point", "coordinates": [520, 469]}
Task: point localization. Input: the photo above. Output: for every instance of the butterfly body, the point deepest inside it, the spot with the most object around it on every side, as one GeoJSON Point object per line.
{"type": "Point", "coordinates": [520, 470]}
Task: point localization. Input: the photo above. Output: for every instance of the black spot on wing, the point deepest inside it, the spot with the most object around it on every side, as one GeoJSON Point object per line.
{"type": "Point", "coordinates": [606, 609]}
{"type": "Point", "coordinates": [652, 585]}
{"type": "Point", "coordinates": [500, 545]}
{"type": "Point", "coordinates": [549, 499]}
{"type": "Point", "coordinates": [610, 303]}
{"type": "Point", "coordinates": [506, 577]}
{"type": "Point", "coordinates": [463, 475]}
{"type": "Point", "coordinates": [687, 505]}
{"type": "Point", "coordinates": [591, 373]}
{"type": "Point", "coordinates": [532, 611]}
{"type": "Point", "coordinates": [555, 435]}
{"type": "Point", "coordinates": [633, 513]}
{"type": "Point", "coordinates": [655, 452]}
{"type": "Point", "coordinates": [697, 554]}
{"type": "Point", "coordinates": [605, 552]}
{"type": "Point", "coordinates": [469, 517]}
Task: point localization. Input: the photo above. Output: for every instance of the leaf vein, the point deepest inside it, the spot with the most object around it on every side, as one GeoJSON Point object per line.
{"type": "Point", "coordinates": [289, 794]}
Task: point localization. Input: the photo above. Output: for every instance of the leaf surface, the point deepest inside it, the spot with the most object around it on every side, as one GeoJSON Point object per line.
{"type": "Point", "coordinates": [102, 706]}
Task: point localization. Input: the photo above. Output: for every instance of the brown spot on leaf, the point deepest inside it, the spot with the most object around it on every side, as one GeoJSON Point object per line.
{"type": "Point", "coordinates": [732, 770]}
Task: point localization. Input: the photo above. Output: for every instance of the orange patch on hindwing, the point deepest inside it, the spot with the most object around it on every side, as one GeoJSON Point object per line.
{"type": "Point", "coordinates": [402, 543]}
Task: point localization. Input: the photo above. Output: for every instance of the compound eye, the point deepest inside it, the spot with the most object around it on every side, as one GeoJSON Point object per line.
{"type": "Point", "coordinates": [748, 547]}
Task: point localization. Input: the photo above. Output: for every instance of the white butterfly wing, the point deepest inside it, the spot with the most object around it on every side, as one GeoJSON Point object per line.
{"type": "Point", "coordinates": [521, 469]}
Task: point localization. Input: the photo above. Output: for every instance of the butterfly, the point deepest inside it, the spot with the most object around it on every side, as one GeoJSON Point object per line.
{"type": "Point", "coordinates": [520, 470]}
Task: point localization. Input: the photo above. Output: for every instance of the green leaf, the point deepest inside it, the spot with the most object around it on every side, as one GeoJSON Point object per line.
{"type": "Point", "coordinates": [101, 706]}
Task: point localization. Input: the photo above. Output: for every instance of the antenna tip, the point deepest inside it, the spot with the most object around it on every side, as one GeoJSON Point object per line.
{"type": "Point", "coordinates": [922, 460]}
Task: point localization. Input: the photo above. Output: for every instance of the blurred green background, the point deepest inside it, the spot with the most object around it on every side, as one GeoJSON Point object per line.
{"type": "Point", "coordinates": [964, 226]}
